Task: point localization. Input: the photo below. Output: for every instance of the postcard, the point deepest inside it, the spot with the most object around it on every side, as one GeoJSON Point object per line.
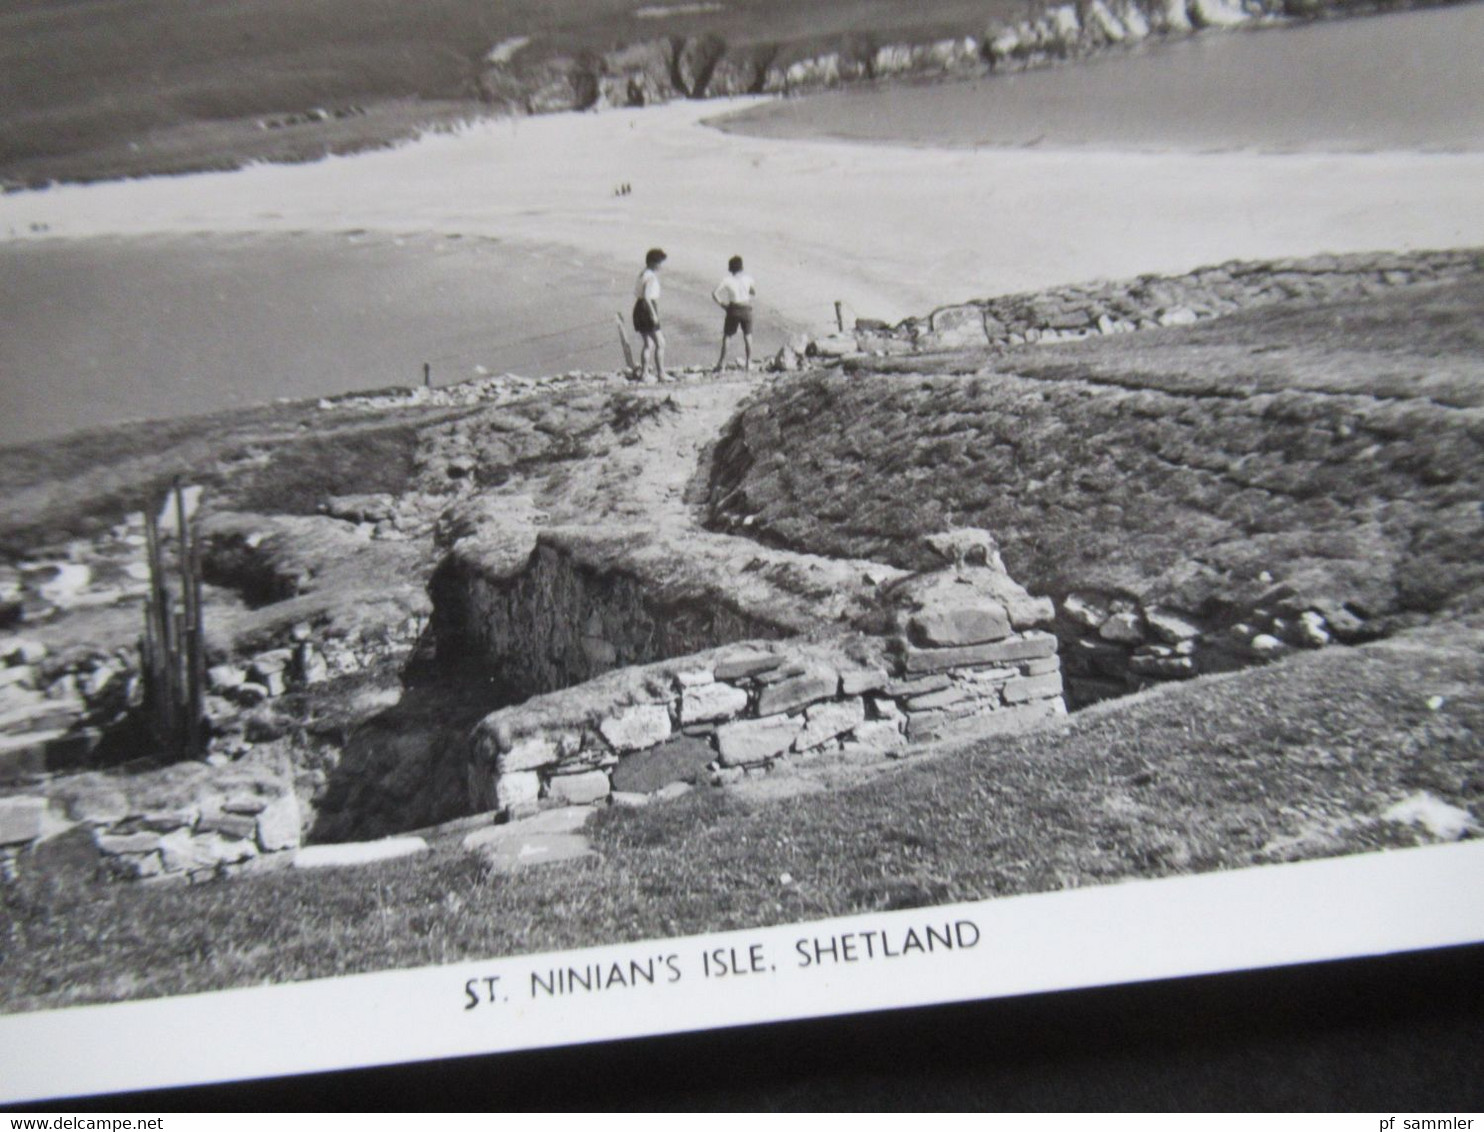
{"type": "Point", "coordinates": [529, 532]}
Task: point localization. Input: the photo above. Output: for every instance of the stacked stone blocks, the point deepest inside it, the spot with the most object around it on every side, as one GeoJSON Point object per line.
{"type": "Point", "coordinates": [206, 839]}
{"type": "Point", "coordinates": [964, 655]}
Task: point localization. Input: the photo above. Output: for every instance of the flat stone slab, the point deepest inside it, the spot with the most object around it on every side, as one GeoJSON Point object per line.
{"type": "Point", "coordinates": [349, 853]}
{"type": "Point", "coordinates": [1032, 646]}
{"type": "Point", "coordinates": [734, 666]}
{"type": "Point", "coordinates": [682, 759]}
{"type": "Point", "coordinates": [21, 819]}
{"type": "Point", "coordinates": [21, 755]}
{"type": "Point", "coordinates": [537, 849]}
{"type": "Point", "coordinates": [568, 819]}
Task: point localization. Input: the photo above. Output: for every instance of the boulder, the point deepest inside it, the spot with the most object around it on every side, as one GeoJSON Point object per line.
{"type": "Point", "coordinates": [954, 328]}
{"type": "Point", "coordinates": [971, 585]}
{"type": "Point", "coordinates": [358, 852]}
{"type": "Point", "coordinates": [516, 788]}
{"type": "Point", "coordinates": [960, 624]}
{"type": "Point", "coordinates": [21, 819]}
{"type": "Point", "coordinates": [1027, 647]}
{"type": "Point", "coordinates": [528, 753]}
{"type": "Point", "coordinates": [854, 681]}
{"type": "Point", "coordinates": [1024, 688]}
{"type": "Point", "coordinates": [1168, 628]}
{"type": "Point", "coordinates": [735, 666]}
{"type": "Point", "coordinates": [877, 735]}
{"type": "Point", "coordinates": [966, 546]}
{"type": "Point", "coordinates": [1311, 630]}
{"type": "Point", "coordinates": [1216, 14]}
{"type": "Point", "coordinates": [278, 824]}
{"type": "Point", "coordinates": [1122, 628]}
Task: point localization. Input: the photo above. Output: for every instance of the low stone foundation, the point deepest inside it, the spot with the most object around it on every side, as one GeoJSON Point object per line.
{"type": "Point", "coordinates": [965, 654]}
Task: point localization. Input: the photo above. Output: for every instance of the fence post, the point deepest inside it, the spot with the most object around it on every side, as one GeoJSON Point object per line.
{"type": "Point", "coordinates": [173, 651]}
{"type": "Point", "coordinates": [839, 317]}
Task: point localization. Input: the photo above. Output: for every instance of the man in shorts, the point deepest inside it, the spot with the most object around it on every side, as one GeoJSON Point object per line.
{"type": "Point", "coordinates": [647, 313]}
{"type": "Point", "coordinates": [734, 294]}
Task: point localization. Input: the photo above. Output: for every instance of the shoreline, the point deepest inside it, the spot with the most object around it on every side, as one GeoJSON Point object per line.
{"type": "Point", "coordinates": [886, 229]}
{"type": "Point", "coordinates": [822, 220]}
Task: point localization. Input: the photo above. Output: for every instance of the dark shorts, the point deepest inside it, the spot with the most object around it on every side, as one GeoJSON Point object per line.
{"type": "Point", "coordinates": [644, 323]}
{"type": "Point", "coordinates": [737, 315]}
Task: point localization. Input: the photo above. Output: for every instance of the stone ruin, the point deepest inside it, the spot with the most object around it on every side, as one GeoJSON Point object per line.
{"type": "Point", "coordinates": [964, 651]}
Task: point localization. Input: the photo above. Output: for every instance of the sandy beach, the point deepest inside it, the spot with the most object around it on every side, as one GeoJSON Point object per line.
{"type": "Point", "coordinates": [890, 230]}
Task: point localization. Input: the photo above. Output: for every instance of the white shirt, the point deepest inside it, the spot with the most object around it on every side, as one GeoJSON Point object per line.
{"type": "Point", "coordinates": [647, 286]}
{"type": "Point", "coordinates": [738, 289]}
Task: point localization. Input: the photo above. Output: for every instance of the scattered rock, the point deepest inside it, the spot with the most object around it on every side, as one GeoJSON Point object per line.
{"type": "Point", "coordinates": [1437, 817]}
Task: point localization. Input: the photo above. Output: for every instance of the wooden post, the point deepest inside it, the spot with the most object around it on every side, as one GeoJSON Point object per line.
{"type": "Point", "coordinates": [623, 340]}
{"type": "Point", "coordinates": [157, 627]}
{"type": "Point", "coordinates": [427, 375]}
{"type": "Point", "coordinates": [839, 317]}
{"type": "Point", "coordinates": [190, 631]}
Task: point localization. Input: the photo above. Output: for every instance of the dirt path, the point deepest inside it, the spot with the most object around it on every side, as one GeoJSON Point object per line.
{"type": "Point", "coordinates": [646, 479]}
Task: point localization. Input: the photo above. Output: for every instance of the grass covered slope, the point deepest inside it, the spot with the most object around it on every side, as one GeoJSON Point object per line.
{"type": "Point", "coordinates": [1294, 761]}
{"type": "Point", "coordinates": [1339, 448]}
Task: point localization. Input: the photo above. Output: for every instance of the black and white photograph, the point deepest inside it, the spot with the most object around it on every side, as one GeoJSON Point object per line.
{"type": "Point", "coordinates": [568, 521]}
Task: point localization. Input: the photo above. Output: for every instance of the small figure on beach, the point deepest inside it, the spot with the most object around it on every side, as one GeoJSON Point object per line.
{"type": "Point", "coordinates": [734, 294]}
{"type": "Point", "coordinates": [647, 313]}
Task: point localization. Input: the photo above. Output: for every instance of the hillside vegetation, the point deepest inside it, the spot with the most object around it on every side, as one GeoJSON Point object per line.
{"type": "Point", "coordinates": [1338, 448]}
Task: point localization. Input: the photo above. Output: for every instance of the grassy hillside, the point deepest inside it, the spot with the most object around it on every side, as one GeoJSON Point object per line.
{"type": "Point", "coordinates": [1340, 448]}
{"type": "Point", "coordinates": [104, 88]}
{"type": "Point", "coordinates": [1290, 762]}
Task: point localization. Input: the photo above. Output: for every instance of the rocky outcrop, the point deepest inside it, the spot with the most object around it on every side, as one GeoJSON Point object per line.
{"type": "Point", "coordinates": [1074, 313]}
{"type": "Point", "coordinates": [534, 81]}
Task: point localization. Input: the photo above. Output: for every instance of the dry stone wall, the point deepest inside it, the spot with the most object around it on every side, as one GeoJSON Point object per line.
{"type": "Point", "coordinates": [557, 621]}
{"type": "Point", "coordinates": [1113, 644]}
{"type": "Point", "coordinates": [245, 833]}
{"type": "Point", "coordinates": [966, 654]}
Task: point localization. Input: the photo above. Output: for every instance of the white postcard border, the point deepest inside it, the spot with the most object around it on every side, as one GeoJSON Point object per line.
{"type": "Point", "coordinates": [1276, 915]}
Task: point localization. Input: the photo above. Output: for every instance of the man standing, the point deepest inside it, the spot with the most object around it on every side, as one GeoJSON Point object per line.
{"type": "Point", "coordinates": [734, 294]}
{"type": "Point", "coordinates": [647, 313]}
